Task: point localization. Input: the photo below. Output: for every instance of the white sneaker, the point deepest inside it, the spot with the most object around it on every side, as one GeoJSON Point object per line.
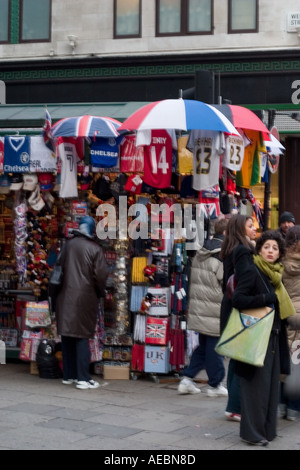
{"type": "Point", "coordinates": [69, 381]}
{"type": "Point", "coordinates": [187, 386]}
{"type": "Point", "coordinates": [219, 391]}
{"type": "Point", "coordinates": [82, 385]}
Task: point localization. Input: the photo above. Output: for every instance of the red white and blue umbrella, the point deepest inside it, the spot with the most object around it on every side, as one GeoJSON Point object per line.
{"type": "Point", "coordinates": [242, 118]}
{"type": "Point", "coordinates": [86, 126]}
{"type": "Point", "coordinates": [178, 114]}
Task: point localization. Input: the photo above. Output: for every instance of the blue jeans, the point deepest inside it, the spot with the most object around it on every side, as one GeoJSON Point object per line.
{"type": "Point", "coordinates": [76, 358]}
{"type": "Point", "coordinates": [233, 387]}
{"type": "Point", "coordinates": [205, 357]}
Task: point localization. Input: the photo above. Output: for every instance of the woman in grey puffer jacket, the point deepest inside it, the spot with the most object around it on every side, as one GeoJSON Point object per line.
{"type": "Point", "coordinates": [205, 297]}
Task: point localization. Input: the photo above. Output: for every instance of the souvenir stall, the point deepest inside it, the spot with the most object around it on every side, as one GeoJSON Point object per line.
{"type": "Point", "coordinates": [147, 189]}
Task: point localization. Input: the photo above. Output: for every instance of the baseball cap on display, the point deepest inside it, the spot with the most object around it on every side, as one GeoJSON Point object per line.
{"type": "Point", "coordinates": [117, 186]}
{"type": "Point", "coordinates": [84, 182]}
{"type": "Point", "coordinates": [46, 181]}
{"type": "Point", "coordinates": [36, 201]}
{"type": "Point", "coordinates": [30, 182]}
{"type": "Point", "coordinates": [5, 183]}
{"type": "Point", "coordinates": [134, 184]}
{"type": "Point", "coordinates": [16, 182]}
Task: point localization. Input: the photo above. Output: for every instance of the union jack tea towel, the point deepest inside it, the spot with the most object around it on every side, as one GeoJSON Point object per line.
{"type": "Point", "coordinates": [157, 331]}
{"type": "Point", "coordinates": [161, 301]}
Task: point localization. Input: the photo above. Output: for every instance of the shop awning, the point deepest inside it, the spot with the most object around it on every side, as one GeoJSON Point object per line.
{"type": "Point", "coordinates": [31, 117]}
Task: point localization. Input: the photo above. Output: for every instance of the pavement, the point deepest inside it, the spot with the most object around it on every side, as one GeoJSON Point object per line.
{"type": "Point", "coordinates": [120, 417]}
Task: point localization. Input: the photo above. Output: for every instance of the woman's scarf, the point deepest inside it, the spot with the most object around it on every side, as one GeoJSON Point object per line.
{"type": "Point", "coordinates": [274, 273]}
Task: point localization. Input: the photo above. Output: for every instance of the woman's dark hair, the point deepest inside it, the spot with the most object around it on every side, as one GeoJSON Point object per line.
{"type": "Point", "coordinates": [235, 235]}
{"type": "Point", "coordinates": [292, 239]}
{"type": "Point", "coordinates": [271, 235]}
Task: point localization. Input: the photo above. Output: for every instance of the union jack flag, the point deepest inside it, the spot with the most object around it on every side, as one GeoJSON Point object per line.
{"type": "Point", "coordinates": [156, 331]}
{"type": "Point", "coordinates": [159, 300]}
{"type": "Point", "coordinates": [47, 134]}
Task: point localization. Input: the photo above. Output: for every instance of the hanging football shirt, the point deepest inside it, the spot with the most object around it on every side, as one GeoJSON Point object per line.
{"type": "Point", "coordinates": [69, 159]}
{"type": "Point", "coordinates": [233, 156]}
{"type": "Point", "coordinates": [185, 157]}
{"type": "Point", "coordinates": [42, 159]}
{"type": "Point", "coordinates": [1, 153]}
{"type": "Point", "coordinates": [131, 156]}
{"type": "Point", "coordinates": [16, 154]}
{"type": "Point", "coordinates": [158, 160]}
{"type": "Point", "coordinates": [105, 152]}
{"type": "Point", "coordinates": [250, 173]}
{"type": "Point", "coordinates": [207, 146]}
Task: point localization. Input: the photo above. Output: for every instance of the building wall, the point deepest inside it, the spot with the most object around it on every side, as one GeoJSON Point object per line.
{"type": "Point", "coordinates": [92, 22]}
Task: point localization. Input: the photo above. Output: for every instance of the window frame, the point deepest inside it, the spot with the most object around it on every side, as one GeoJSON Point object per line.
{"type": "Point", "coordinates": [184, 9]}
{"type": "Point", "coordinates": [8, 24]}
{"type": "Point", "coordinates": [240, 31]}
{"type": "Point", "coordinates": [26, 41]}
{"type": "Point", "coordinates": [127, 36]}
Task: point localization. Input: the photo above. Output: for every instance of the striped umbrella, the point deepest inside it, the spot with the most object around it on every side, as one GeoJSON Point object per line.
{"type": "Point", "coordinates": [86, 126]}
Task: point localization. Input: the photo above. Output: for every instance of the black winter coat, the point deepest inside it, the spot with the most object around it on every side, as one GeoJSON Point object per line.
{"type": "Point", "coordinates": [253, 290]}
{"type": "Point", "coordinates": [84, 280]}
{"type": "Point", "coordinates": [237, 262]}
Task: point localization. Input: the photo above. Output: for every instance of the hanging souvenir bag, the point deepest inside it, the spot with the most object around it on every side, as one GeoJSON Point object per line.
{"type": "Point", "coordinates": [56, 277]}
{"type": "Point", "coordinates": [37, 314]}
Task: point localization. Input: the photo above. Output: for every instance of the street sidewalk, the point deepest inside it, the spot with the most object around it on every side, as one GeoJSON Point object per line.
{"type": "Point", "coordinates": [121, 415]}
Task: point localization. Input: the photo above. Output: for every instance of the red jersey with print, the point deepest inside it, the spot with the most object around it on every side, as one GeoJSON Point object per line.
{"type": "Point", "coordinates": [158, 160]}
{"type": "Point", "coordinates": [131, 157]}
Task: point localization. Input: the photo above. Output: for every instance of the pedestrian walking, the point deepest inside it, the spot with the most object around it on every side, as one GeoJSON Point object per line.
{"type": "Point", "coordinates": [205, 298]}
{"type": "Point", "coordinates": [286, 221]}
{"type": "Point", "coordinates": [262, 286]}
{"type": "Point", "coordinates": [236, 253]}
{"type": "Point", "coordinates": [77, 304]}
{"type": "Point", "coordinates": [290, 406]}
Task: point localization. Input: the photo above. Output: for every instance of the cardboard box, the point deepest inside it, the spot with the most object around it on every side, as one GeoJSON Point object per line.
{"type": "Point", "coordinates": [115, 372]}
{"type": "Point", "coordinates": [34, 368]}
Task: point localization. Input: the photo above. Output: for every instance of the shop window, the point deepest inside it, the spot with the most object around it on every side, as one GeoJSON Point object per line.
{"type": "Point", "coordinates": [4, 20]}
{"type": "Point", "coordinates": [127, 18]}
{"type": "Point", "coordinates": [183, 17]}
{"type": "Point", "coordinates": [35, 20]}
{"type": "Point", "coordinates": [242, 16]}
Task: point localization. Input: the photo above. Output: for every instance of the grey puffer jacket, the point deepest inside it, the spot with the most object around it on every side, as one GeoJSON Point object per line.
{"type": "Point", "coordinates": [205, 294]}
{"type": "Point", "coordinates": [85, 272]}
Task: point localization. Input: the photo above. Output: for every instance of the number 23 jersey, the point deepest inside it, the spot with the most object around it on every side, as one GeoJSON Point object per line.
{"type": "Point", "coordinates": [207, 146]}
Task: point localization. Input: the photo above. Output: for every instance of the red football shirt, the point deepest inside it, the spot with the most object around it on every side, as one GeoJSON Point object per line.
{"type": "Point", "coordinates": [158, 160]}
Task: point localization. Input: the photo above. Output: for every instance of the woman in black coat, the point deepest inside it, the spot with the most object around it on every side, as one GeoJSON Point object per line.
{"type": "Point", "coordinates": [236, 253]}
{"type": "Point", "coordinates": [262, 286]}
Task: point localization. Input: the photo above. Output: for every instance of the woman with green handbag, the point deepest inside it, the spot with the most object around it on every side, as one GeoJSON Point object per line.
{"type": "Point", "coordinates": [262, 286]}
{"type": "Point", "coordinates": [236, 254]}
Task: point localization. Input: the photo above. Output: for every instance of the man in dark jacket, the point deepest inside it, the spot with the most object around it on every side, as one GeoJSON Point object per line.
{"type": "Point", "coordinates": [77, 303]}
{"type": "Point", "coordinates": [286, 221]}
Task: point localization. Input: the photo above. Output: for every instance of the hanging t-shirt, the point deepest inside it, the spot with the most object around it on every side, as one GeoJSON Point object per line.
{"type": "Point", "coordinates": [158, 160]}
{"type": "Point", "coordinates": [69, 159]}
{"type": "Point", "coordinates": [1, 153]}
{"type": "Point", "coordinates": [250, 173]}
{"type": "Point", "coordinates": [105, 152]}
{"type": "Point", "coordinates": [16, 154]}
{"type": "Point", "coordinates": [207, 146]}
{"type": "Point", "coordinates": [233, 156]}
{"type": "Point", "coordinates": [42, 159]}
{"type": "Point", "coordinates": [131, 156]}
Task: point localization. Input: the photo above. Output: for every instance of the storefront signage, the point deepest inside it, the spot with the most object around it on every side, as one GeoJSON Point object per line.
{"type": "Point", "coordinates": [296, 93]}
{"type": "Point", "coordinates": [293, 21]}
